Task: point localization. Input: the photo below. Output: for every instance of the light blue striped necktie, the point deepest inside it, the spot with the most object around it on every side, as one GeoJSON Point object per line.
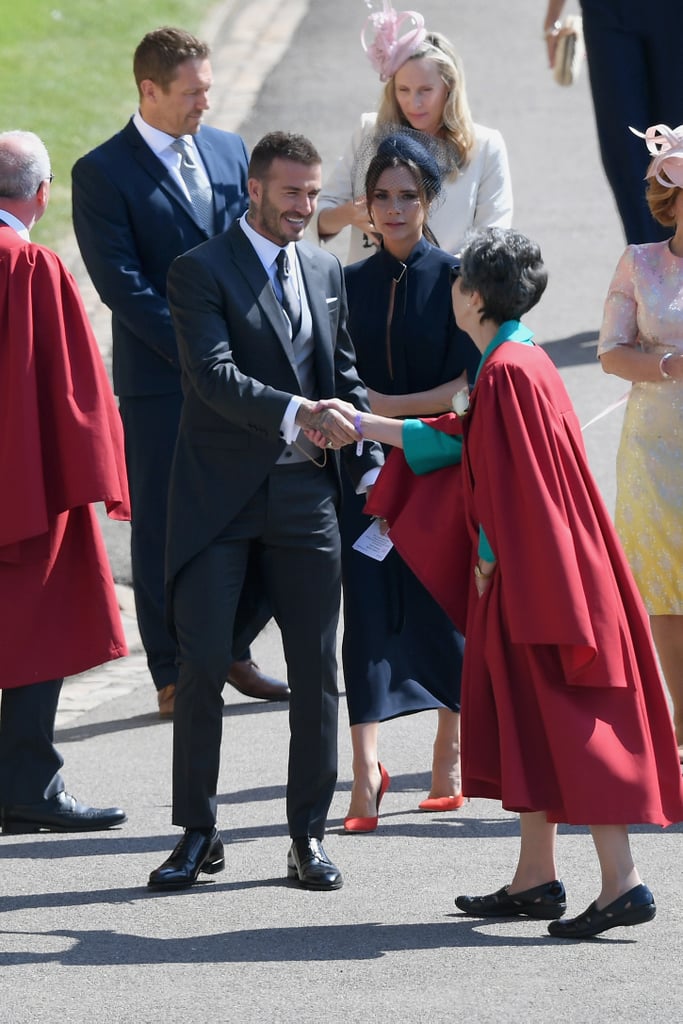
{"type": "Point", "coordinates": [201, 194]}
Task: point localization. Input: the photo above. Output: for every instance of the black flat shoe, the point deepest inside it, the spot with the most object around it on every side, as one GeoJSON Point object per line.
{"type": "Point", "coordinates": [194, 853]}
{"type": "Point", "coordinates": [543, 902]}
{"type": "Point", "coordinates": [61, 813]}
{"type": "Point", "coordinates": [310, 865]}
{"type": "Point", "coordinates": [637, 906]}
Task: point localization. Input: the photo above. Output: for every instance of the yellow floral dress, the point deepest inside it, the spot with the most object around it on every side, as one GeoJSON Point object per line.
{"type": "Point", "coordinates": [644, 309]}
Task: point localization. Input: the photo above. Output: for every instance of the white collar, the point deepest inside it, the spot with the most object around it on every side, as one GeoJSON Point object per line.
{"type": "Point", "coordinates": [14, 222]}
{"type": "Point", "coordinates": [266, 250]}
{"type": "Point", "coordinates": [157, 140]}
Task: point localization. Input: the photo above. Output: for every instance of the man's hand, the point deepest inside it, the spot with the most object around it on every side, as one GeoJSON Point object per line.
{"type": "Point", "coordinates": [328, 424]}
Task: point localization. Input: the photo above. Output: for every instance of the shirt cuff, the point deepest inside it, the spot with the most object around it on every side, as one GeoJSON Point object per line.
{"type": "Point", "coordinates": [368, 479]}
{"type": "Point", "coordinates": [289, 430]}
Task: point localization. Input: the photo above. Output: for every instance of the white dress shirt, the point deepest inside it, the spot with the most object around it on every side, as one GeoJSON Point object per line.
{"type": "Point", "coordinates": [160, 143]}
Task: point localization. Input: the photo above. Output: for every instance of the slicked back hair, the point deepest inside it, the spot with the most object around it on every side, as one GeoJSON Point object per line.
{"type": "Point", "coordinates": [282, 146]}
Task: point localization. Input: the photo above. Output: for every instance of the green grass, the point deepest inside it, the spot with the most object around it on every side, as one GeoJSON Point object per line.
{"type": "Point", "coordinates": [66, 74]}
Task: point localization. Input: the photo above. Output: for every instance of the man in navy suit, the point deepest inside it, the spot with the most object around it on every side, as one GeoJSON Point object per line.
{"type": "Point", "coordinates": [260, 319]}
{"type": "Point", "coordinates": [134, 211]}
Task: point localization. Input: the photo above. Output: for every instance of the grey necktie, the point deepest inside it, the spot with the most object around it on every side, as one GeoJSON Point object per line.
{"type": "Point", "coordinates": [201, 194]}
{"type": "Point", "coordinates": [290, 300]}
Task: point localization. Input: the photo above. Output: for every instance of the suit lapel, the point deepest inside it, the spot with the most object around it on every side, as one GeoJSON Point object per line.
{"type": "Point", "coordinates": [215, 173]}
{"type": "Point", "coordinates": [153, 166]}
{"type": "Point", "coordinates": [249, 265]}
{"type": "Point", "coordinates": [316, 291]}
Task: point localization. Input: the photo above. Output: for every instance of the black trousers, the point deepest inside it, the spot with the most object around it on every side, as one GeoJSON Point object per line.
{"type": "Point", "coordinates": [29, 761]}
{"type": "Point", "coordinates": [292, 522]}
{"type": "Point", "coordinates": [634, 62]}
{"type": "Point", "coordinates": [150, 425]}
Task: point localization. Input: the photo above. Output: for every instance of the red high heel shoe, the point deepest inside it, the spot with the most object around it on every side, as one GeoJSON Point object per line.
{"type": "Point", "coordinates": [370, 824]}
{"type": "Point", "coordinates": [442, 803]}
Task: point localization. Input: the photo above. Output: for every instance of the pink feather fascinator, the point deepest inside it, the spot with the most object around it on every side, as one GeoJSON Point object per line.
{"type": "Point", "coordinates": [666, 147]}
{"type": "Point", "coordinates": [397, 36]}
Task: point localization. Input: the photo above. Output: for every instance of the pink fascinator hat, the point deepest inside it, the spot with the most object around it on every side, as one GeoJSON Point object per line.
{"type": "Point", "coordinates": [666, 146]}
{"type": "Point", "coordinates": [392, 46]}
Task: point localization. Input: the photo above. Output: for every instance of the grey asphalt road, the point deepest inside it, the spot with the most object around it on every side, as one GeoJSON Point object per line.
{"type": "Point", "coordinates": [81, 938]}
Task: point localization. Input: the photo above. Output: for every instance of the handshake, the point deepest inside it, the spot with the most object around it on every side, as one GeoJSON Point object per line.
{"type": "Point", "coordinates": [330, 423]}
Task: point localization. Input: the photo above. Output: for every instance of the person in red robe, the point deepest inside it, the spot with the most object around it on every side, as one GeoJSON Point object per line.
{"type": "Point", "coordinates": [61, 449]}
{"type": "Point", "coordinates": [564, 715]}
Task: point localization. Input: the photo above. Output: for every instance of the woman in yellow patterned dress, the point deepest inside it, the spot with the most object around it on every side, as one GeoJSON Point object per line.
{"type": "Point", "coordinates": [641, 340]}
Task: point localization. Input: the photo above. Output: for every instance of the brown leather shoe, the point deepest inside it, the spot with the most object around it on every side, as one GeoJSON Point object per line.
{"type": "Point", "coordinates": [248, 679]}
{"type": "Point", "coordinates": [166, 698]}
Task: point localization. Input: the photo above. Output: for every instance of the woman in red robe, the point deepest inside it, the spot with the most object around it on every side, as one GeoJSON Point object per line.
{"type": "Point", "coordinates": [564, 717]}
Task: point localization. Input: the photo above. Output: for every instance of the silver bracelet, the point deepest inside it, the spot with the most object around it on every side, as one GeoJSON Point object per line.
{"type": "Point", "coordinates": [662, 365]}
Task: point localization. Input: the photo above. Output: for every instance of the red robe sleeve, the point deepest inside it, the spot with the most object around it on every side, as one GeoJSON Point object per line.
{"type": "Point", "coordinates": [529, 485]}
{"type": "Point", "coordinates": [427, 524]}
{"type": "Point", "coordinates": [61, 439]}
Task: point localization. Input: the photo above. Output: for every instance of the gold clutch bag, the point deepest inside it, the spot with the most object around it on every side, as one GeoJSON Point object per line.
{"type": "Point", "coordinates": [570, 51]}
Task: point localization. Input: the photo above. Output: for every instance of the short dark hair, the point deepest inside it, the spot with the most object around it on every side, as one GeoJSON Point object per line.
{"type": "Point", "coordinates": [507, 270]}
{"type": "Point", "coordinates": [398, 151]}
{"type": "Point", "coordinates": [282, 146]}
{"type": "Point", "coordinates": [159, 54]}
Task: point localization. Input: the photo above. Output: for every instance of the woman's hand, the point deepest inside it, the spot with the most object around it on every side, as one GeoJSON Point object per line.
{"type": "Point", "coordinates": [552, 29]}
{"type": "Point", "coordinates": [483, 574]}
{"type": "Point", "coordinates": [354, 214]}
{"type": "Point", "coordinates": [327, 424]}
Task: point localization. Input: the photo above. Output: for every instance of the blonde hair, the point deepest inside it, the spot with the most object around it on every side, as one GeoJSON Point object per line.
{"type": "Point", "coordinates": [458, 128]}
{"type": "Point", "coordinates": [661, 199]}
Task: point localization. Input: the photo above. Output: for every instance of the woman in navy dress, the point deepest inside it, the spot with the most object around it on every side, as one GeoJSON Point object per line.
{"type": "Point", "coordinates": [401, 653]}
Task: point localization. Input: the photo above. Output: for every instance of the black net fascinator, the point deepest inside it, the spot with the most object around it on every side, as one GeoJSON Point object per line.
{"type": "Point", "coordinates": [434, 159]}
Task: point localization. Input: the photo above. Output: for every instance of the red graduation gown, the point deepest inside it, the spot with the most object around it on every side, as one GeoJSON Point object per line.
{"type": "Point", "coordinates": [563, 709]}
{"type": "Point", "coordinates": [61, 449]}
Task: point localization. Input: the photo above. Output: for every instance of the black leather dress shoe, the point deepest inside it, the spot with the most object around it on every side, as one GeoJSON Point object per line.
{"type": "Point", "coordinates": [248, 679]}
{"type": "Point", "coordinates": [543, 902]}
{"type": "Point", "coordinates": [194, 853]}
{"type": "Point", "coordinates": [61, 813]}
{"type": "Point", "coordinates": [637, 906]}
{"type": "Point", "coordinates": [310, 865]}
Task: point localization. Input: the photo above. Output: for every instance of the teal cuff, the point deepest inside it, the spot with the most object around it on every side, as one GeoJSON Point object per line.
{"type": "Point", "coordinates": [427, 449]}
{"type": "Point", "coordinates": [485, 550]}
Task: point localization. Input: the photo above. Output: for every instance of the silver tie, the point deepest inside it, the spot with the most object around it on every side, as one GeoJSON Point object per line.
{"type": "Point", "coordinates": [201, 194]}
{"type": "Point", "coordinates": [290, 299]}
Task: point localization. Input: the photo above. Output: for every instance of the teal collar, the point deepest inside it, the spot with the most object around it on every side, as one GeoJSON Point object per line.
{"type": "Point", "coordinates": [511, 330]}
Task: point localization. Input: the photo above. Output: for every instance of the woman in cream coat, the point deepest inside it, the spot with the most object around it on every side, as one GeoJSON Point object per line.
{"type": "Point", "coordinates": [425, 93]}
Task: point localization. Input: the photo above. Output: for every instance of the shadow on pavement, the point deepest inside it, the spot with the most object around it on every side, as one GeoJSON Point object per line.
{"type": "Point", "coordinates": [573, 351]}
{"type": "Point", "coordinates": [353, 942]}
{"type": "Point", "coordinates": [71, 734]}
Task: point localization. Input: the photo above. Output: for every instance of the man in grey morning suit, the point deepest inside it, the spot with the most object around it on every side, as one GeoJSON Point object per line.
{"type": "Point", "coordinates": [135, 209]}
{"type": "Point", "coordinates": [244, 475]}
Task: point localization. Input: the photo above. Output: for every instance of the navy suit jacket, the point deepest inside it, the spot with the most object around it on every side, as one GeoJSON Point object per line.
{"type": "Point", "coordinates": [131, 220]}
{"type": "Point", "coordinates": [239, 374]}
